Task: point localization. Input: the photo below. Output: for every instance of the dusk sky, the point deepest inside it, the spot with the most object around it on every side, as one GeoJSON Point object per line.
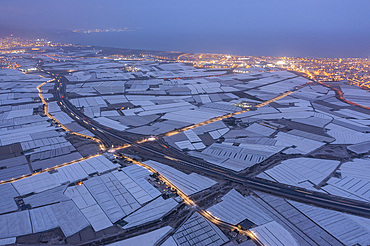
{"type": "Point", "coordinates": [265, 27]}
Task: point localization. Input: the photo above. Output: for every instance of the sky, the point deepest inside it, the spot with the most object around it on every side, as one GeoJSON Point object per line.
{"type": "Point", "coordinates": [333, 28]}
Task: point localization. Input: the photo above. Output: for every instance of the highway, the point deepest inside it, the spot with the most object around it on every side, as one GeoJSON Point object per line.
{"type": "Point", "coordinates": [288, 192]}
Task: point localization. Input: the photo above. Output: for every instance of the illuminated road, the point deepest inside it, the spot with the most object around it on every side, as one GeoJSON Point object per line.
{"type": "Point", "coordinates": [174, 132]}
{"type": "Point", "coordinates": [47, 169]}
{"type": "Point", "coordinates": [171, 133]}
{"type": "Point", "coordinates": [191, 203]}
{"type": "Point", "coordinates": [339, 94]}
{"type": "Point", "coordinates": [46, 110]}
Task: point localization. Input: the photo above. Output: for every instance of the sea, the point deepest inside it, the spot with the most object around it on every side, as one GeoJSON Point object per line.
{"type": "Point", "coordinates": [262, 44]}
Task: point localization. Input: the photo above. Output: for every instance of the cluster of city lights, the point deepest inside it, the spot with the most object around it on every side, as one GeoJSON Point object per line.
{"type": "Point", "coordinates": [100, 30]}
